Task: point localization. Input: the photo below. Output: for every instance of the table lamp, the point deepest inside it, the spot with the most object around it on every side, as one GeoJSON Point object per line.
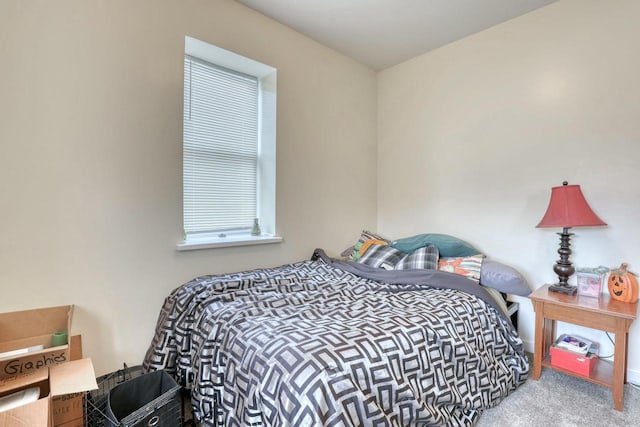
{"type": "Point", "coordinates": [567, 208]}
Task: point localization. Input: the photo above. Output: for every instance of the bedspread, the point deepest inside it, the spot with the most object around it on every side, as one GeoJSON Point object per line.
{"type": "Point", "coordinates": [323, 342]}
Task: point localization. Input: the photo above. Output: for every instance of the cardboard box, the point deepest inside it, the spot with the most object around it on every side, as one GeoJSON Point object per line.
{"type": "Point", "coordinates": [25, 340]}
{"type": "Point", "coordinates": [62, 388]}
{"type": "Point", "coordinates": [573, 362]}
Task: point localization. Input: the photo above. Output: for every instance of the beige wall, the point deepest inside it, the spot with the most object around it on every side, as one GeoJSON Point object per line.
{"type": "Point", "coordinates": [473, 136]}
{"type": "Point", "coordinates": [90, 157]}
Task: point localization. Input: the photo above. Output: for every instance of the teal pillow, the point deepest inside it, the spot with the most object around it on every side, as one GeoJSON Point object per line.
{"type": "Point", "coordinates": [448, 246]}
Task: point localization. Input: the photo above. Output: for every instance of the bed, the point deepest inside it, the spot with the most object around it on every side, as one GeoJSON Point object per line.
{"type": "Point", "coordinates": [341, 343]}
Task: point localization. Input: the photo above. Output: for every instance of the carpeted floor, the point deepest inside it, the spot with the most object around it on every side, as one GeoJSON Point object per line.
{"type": "Point", "coordinates": [559, 400]}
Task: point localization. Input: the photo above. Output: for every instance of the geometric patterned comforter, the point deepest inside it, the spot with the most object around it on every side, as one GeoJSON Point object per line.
{"type": "Point", "coordinates": [324, 342]}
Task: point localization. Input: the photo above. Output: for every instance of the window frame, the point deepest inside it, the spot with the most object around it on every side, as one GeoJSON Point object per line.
{"type": "Point", "coordinates": [266, 170]}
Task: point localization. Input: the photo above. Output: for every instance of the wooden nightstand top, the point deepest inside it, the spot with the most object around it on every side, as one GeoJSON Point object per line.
{"type": "Point", "coordinates": [604, 304]}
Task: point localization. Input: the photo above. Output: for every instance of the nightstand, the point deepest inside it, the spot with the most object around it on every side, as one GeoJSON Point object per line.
{"type": "Point", "coordinates": [602, 313]}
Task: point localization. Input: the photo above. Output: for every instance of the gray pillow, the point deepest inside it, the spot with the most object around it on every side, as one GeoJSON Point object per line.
{"type": "Point", "coordinates": [504, 278]}
{"type": "Point", "coordinates": [381, 256]}
{"type": "Point", "coordinates": [421, 259]}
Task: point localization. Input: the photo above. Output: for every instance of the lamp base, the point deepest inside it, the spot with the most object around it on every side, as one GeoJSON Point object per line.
{"type": "Point", "coordinates": [569, 290]}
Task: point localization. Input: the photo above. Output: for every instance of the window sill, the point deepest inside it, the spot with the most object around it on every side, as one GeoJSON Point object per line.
{"type": "Point", "coordinates": [225, 242]}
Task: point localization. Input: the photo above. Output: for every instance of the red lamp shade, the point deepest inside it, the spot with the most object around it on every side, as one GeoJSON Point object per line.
{"type": "Point", "coordinates": [568, 208]}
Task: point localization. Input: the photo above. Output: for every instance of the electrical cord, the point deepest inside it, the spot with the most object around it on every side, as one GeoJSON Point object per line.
{"type": "Point", "coordinates": [609, 356]}
{"type": "Point", "coordinates": [636, 386]}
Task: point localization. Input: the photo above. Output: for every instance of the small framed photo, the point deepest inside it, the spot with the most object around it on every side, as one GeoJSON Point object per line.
{"type": "Point", "coordinates": [589, 284]}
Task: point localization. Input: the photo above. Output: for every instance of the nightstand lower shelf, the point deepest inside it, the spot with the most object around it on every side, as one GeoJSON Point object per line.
{"type": "Point", "coordinates": [602, 373]}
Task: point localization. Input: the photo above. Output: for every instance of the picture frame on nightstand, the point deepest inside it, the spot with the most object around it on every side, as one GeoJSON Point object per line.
{"type": "Point", "coordinates": [589, 282]}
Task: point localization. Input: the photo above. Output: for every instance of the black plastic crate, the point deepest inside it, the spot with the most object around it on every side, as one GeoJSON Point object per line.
{"type": "Point", "coordinates": [133, 388]}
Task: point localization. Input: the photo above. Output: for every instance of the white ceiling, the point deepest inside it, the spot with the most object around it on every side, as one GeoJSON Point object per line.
{"type": "Point", "coordinates": [383, 33]}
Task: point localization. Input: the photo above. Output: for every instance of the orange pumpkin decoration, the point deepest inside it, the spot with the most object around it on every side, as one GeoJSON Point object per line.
{"type": "Point", "coordinates": [623, 285]}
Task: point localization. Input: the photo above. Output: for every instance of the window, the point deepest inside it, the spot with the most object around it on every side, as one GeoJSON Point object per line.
{"type": "Point", "coordinates": [228, 148]}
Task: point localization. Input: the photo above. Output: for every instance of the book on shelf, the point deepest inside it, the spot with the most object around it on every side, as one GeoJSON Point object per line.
{"type": "Point", "coordinates": [574, 344]}
{"type": "Point", "coordinates": [594, 350]}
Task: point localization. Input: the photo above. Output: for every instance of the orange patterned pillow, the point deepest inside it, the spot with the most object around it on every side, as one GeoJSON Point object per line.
{"type": "Point", "coordinates": [465, 266]}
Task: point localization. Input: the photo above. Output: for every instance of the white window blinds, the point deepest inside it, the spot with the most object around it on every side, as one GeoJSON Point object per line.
{"type": "Point", "coordinates": [220, 151]}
